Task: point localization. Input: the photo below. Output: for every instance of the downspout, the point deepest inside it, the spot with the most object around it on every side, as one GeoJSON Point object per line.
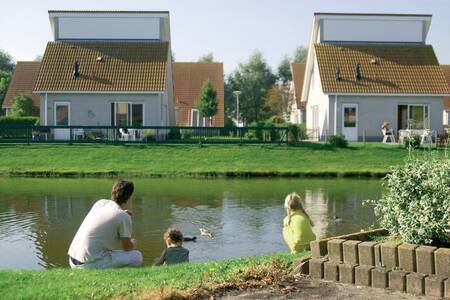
{"type": "Point", "coordinates": [45, 111]}
{"type": "Point", "coordinates": [335, 114]}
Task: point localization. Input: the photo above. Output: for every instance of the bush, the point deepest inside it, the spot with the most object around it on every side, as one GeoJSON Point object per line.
{"type": "Point", "coordinates": [337, 141]}
{"type": "Point", "coordinates": [275, 120]}
{"type": "Point", "coordinates": [185, 134]}
{"type": "Point", "coordinates": [415, 203]}
{"type": "Point", "coordinates": [149, 134]}
{"type": "Point", "coordinates": [174, 134]}
{"type": "Point", "coordinates": [302, 133]}
{"type": "Point", "coordinates": [412, 142]}
{"type": "Point", "coordinates": [23, 106]}
{"type": "Point", "coordinates": [17, 121]}
{"type": "Point", "coordinates": [293, 133]}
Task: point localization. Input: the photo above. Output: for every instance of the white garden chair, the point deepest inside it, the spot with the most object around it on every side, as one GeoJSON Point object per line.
{"type": "Point", "coordinates": [388, 134]}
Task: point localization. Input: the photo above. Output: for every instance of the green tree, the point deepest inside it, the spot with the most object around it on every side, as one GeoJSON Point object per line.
{"type": "Point", "coordinates": [6, 61]}
{"type": "Point", "coordinates": [253, 78]}
{"type": "Point", "coordinates": [5, 78]}
{"type": "Point", "coordinates": [300, 54]}
{"type": "Point", "coordinates": [284, 70]}
{"type": "Point", "coordinates": [275, 102]}
{"type": "Point", "coordinates": [208, 57]}
{"type": "Point", "coordinates": [207, 102]}
{"type": "Point", "coordinates": [22, 106]}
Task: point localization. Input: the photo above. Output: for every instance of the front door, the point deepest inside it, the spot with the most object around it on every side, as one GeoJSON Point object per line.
{"type": "Point", "coordinates": [350, 121]}
{"type": "Point", "coordinates": [62, 118]}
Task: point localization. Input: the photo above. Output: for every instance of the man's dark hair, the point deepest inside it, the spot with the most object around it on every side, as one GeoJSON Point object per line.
{"type": "Point", "coordinates": [122, 191]}
{"type": "Point", "coordinates": [174, 235]}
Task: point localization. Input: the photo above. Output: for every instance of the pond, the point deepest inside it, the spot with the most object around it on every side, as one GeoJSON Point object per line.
{"type": "Point", "coordinates": [39, 217]}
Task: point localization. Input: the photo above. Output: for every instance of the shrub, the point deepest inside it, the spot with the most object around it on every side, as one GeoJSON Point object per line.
{"type": "Point", "coordinates": [16, 121]}
{"type": "Point", "coordinates": [337, 141]}
{"type": "Point", "coordinates": [293, 133]}
{"type": "Point", "coordinates": [415, 204]}
{"type": "Point", "coordinates": [23, 106]}
{"type": "Point", "coordinates": [185, 134]}
{"type": "Point", "coordinates": [174, 134]}
{"type": "Point", "coordinates": [302, 133]}
{"type": "Point", "coordinates": [276, 120]}
{"type": "Point", "coordinates": [149, 134]}
{"type": "Point", "coordinates": [412, 142]}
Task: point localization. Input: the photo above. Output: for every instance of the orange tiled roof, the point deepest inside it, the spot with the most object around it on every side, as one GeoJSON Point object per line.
{"type": "Point", "coordinates": [446, 70]}
{"type": "Point", "coordinates": [22, 82]}
{"type": "Point", "coordinates": [188, 79]}
{"type": "Point", "coordinates": [298, 76]}
{"type": "Point", "coordinates": [124, 67]}
{"type": "Point", "coordinates": [398, 69]}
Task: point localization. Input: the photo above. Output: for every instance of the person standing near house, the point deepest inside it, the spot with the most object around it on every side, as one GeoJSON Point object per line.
{"type": "Point", "coordinates": [104, 238]}
{"type": "Point", "coordinates": [297, 225]}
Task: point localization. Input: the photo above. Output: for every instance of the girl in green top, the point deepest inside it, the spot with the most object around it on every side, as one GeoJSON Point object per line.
{"type": "Point", "coordinates": [297, 226]}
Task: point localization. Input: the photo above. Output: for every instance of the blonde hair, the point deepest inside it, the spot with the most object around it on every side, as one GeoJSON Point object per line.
{"type": "Point", "coordinates": [292, 203]}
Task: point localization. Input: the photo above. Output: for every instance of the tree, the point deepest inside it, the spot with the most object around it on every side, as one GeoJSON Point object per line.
{"type": "Point", "coordinates": [300, 54]}
{"type": "Point", "coordinates": [207, 103]}
{"type": "Point", "coordinates": [275, 102]}
{"type": "Point", "coordinates": [6, 61]}
{"type": "Point", "coordinates": [208, 57]}
{"type": "Point", "coordinates": [284, 70]}
{"type": "Point", "coordinates": [5, 78]}
{"type": "Point", "coordinates": [22, 106]}
{"type": "Point", "coordinates": [253, 78]}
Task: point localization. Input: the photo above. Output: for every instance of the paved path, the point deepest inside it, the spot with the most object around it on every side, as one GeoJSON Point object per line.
{"type": "Point", "coordinates": [314, 289]}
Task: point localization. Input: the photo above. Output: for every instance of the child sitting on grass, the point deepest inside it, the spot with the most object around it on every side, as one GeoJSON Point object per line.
{"type": "Point", "coordinates": [174, 253]}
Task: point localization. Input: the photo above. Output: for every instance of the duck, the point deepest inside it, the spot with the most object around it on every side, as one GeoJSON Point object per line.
{"type": "Point", "coordinates": [336, 219]}
{"type": "Point", "coordinates": [206, 232]}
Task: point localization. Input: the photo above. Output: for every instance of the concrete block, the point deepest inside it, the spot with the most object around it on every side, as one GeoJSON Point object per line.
{"type": "Point", "coordinates": [397, 280]}
{"type": "Point", "coordinates": [331, 271]}
{"type": "Point", "coordinates": [379, 278]}
{"type": "Point", "coordinates": [415, 283]}
{"type": "Point", "coordinates": [316, 267]}
{"type": "Point", "coordinates": [442, 262]}
{"type": "Point", "coordinates": [347, 273]}
{"type": "Point", "coordinates": [318, 248]}
{"type": "Point", "coordinates": [434, 286]}
{"type": "Point", "coordinates": [363, 275]}
{"type": "Point", "coordinates": [366, 253]}
{"type": "Point", "coordinates": [335, 252]}
{"type": "Point", "coordinates": [407, 257]}
{"type": "Point", "coordinates": [447, 288]}
{"type": "Point", "coordinates": [351, 252]}
{"type": "Point", "coordinates": [389, 255]}
{"type": "Point", "coordinates": [377, 255]}
{"type": "Point", "coordinates": [425, 259]}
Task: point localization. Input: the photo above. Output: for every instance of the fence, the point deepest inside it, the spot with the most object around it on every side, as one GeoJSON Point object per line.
{"type": "Point", "coordinates": [147, 134]}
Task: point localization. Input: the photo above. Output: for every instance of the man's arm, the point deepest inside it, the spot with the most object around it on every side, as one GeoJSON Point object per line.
{"type": "Point", "coordinates": [127, 243]}
{"type": "Point", "coordinates": [161, 259]}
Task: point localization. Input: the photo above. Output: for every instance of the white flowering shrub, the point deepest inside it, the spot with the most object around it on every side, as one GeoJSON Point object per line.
{"type": "Point", "coordinates": [416, 201]}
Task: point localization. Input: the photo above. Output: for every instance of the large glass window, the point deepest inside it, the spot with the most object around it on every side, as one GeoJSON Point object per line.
{"type": "Point", "coordinates": [350, 117]}
{"type": "Point", "coordinates": [418, 116]}
{"type": "Point", "coordinates": [127, 114]}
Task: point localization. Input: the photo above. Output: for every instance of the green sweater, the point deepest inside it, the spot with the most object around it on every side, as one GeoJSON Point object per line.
{"type": "Point", "coordinates": [297, 232]}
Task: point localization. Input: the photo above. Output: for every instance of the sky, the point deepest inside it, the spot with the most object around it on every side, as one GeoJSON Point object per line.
{"type": "Point", "coordinates": [231, 29]}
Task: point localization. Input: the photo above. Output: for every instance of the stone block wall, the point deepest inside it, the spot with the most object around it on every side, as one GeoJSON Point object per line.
{"type": "Point", "coordinates": [352, 259]}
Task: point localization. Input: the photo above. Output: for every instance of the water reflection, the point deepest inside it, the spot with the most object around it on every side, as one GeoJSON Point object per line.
{"type": "Point", "coordinates": [39, 217]}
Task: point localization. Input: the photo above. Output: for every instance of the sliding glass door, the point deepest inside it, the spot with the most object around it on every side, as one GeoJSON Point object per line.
{"type": "Point", "coordinates": [413, 116]}
{"type": "Point", "coordinates": [127, 114]}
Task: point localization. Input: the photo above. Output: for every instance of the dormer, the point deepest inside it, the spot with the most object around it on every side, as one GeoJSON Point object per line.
{"type": "Point", "coordinates": [371, 28]}
{"type": "Point", "coordinates": [110, 25]}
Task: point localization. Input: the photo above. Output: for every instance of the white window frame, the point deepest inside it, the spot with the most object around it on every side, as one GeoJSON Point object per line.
{"type": "Point", "coordinates": [426, 109]}
{"type": "Point", "coordinates": [203, 119]}
{"type": "Point", "coordinates": [61, 103]}
{"type": "Point", "coordinates": [447, 117]}
{"type": "Point", "coordinates": [130, 113]}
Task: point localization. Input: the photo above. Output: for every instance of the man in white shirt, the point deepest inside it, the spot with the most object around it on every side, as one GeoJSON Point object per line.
{"type": "Point", "coordinates": [104, 238]}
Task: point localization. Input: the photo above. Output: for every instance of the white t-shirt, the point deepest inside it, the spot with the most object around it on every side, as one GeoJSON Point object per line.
{"type": "Point", "coordinates": [100, 232]}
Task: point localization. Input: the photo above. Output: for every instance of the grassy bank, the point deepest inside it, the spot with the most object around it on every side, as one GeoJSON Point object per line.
{"type": "Point", "coordinates": [307, 159]}
{"type": "Point", "coordinates": [128, 283]}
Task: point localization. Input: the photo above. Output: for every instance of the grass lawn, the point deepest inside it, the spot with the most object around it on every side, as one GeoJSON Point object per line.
{"type": "Point", "coordinates": [128, 283]}
{"type": "Point", "coordinates": [306, 159]}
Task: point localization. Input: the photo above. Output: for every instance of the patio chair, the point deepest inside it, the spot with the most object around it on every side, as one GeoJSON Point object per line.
{"type": "Point", "coordinates": [426, 137]}
{"type": "Point", "coordinates": [388, 134]}
{"type": "Point", "coordinates": [78, 133]}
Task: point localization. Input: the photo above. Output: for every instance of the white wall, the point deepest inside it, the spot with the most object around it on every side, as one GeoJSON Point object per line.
{"type": "Point", "coordinates": [367, 30]}
{"type": "Point", "coordinates": [86, 27]}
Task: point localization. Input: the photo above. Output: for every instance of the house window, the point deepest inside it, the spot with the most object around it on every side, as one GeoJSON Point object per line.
{"type": "Point", "coordinates": [349, 116]}
{"type": "Point", "coordinates": [413, 116]}
{"type": "Point", "coordinates": [61, 114]}
{"type": "Point", "coordinates": [448, 117]}
{"type": "Point", "coordinates": [127, 114]}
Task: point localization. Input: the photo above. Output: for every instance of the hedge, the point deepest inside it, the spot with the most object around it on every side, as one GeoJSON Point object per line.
{"type": "Point", "coordinates": [16, 121]}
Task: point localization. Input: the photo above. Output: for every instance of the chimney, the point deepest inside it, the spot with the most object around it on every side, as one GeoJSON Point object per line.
{"type": "Point", "coordinates": [75, 70]}
{"type": "Point", "coordinates": [358, 75]}
{"type": "Point", "coordinates": [338, 74]}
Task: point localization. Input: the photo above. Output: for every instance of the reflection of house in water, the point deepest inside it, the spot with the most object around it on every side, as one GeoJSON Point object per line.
{"type": "Point", "coordinates": [316, 204]}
